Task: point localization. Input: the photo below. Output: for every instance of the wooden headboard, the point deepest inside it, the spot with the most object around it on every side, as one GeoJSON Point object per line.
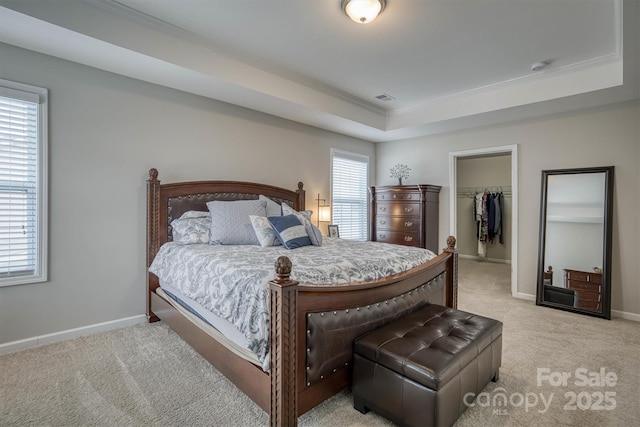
{"type": "Point", "coordinates": [166, 202]}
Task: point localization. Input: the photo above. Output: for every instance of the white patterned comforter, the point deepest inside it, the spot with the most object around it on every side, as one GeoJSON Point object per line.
{"type": "Point", "coordinates": [233, 281]}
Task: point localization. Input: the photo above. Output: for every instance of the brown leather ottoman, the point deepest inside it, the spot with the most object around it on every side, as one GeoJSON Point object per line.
{"type": "Point", "coordinates": [417, 370]}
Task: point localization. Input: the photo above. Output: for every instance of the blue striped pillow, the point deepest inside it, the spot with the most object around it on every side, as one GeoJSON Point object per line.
{"type": "Point", "coordinates": [290, 230]}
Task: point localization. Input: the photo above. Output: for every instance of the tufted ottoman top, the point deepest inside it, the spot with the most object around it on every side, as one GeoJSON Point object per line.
{"type": "Point", "coordinates": [431, 345]}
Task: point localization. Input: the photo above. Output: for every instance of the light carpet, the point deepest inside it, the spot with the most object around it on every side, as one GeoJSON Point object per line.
{"type": "Point", "coordinates": [145, 375]}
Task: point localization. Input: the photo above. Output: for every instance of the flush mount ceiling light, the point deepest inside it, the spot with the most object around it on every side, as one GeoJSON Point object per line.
{"type": "Point", "coordinates": [363, 11]}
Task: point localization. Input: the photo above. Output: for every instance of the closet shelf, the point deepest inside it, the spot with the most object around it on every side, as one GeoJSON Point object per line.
{"type": "Point", "coordinates": [472, 191]}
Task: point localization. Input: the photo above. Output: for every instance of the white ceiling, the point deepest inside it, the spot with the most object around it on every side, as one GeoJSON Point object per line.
{"type": "Point", "coordinates": [449, 64]}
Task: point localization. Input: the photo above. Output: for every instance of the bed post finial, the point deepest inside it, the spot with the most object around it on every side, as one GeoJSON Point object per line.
{"type": "Point", "coordinates": [153, 174]}
{"type": "Point", "coordinates": [451, 243]}
{"type": "Point", "coordinates": [283, 269]}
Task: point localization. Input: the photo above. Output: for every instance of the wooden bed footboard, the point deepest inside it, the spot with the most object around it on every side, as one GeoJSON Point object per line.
{"type": "Point", "coordinates": [302, 372]}
{"type": "Point", "coordinates": [298, 313]}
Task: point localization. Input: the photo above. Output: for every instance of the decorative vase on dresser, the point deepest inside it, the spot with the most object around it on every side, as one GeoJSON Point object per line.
{"type": "Point", "coordinates": [405, 215]}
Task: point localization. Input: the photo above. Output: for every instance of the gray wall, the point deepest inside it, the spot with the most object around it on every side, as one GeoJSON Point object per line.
{"type": "Point", "coordinates": [603, 137]}
{"type": "Point", "coordinates": [106, 132]}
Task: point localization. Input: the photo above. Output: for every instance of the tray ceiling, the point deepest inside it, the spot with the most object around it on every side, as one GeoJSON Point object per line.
{"type": "Point", "coordinates": [440, 64]}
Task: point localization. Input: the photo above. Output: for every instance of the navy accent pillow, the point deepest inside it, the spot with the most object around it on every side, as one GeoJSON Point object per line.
{"type": "Point", "coordinates": [313, 232]}
{"type": "Point", "coordinates": [290, 230]}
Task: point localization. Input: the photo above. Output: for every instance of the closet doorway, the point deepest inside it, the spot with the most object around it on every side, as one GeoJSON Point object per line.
{"type": "Point", "coordinates": [492, 170]}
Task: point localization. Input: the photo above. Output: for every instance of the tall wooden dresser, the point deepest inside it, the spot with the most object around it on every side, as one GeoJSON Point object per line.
{"type": "Point", "coordinates": [406, 215]}
{"type": "Point", "coordinates": [587, 286]}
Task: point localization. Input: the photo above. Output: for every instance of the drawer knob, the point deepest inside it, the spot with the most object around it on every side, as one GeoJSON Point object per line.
{"type": "Point", "coordinates": [382, 222]}
{"type": "Point", "coordinates": [408, 223]}
{"type": "Point", "coordinates": [382, 236]}
{"type": "Point", "coordinates": [394, 196]}
{"type": "Point", "coordinates": [408, 238]}
{"type": "Point", "coordinates": [383, 209]}
{"type": "Point", "coordinates": [408, 210]}
{"type": "Point", "coordinates": [409, 196]}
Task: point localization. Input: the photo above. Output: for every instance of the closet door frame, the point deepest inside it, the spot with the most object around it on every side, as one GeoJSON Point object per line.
{"type": "Point", "coordinates": [453, 190]}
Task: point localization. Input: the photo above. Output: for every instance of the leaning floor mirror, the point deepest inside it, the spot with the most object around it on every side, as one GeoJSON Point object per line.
{"type": "Point", "coordinates": [574, 256]}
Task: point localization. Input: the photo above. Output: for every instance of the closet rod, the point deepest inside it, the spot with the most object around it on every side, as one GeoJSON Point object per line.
{"type": "Point", "coordinates": [472, 191]}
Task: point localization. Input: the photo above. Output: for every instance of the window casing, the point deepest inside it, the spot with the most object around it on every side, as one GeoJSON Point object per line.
{"type": "Point", "coordinates": [350, 194]}
{"type": "Point", "coordinates": [23, 183]}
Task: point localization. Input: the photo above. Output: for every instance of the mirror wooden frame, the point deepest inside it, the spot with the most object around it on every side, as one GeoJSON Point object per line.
{"type": "Point", "coordinates": [606, 242]}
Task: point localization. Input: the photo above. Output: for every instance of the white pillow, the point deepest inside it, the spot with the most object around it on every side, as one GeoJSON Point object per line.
{"type": "Point", "coordinates": [264, 232]}
{"type": "Point", "coordinates": [273, 208]}
{"type": "Point", "coordinates": [313, 232]}
{"type": "Point", "coordinates": [230, 222]}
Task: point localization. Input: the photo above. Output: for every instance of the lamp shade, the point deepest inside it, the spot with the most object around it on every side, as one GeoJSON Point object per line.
{"type": "Point", "coordinates": [324, 214]}
{"type": "Point", "coordinates": [363, 11]}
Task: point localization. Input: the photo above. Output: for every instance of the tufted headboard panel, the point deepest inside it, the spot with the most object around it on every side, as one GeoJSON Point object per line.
{"type": "Point", "coordinates": [176, 206]}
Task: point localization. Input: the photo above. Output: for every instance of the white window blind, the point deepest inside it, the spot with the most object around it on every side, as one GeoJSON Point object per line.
{"type": "Point", "coordinates": [22, 230]}
{"type": "Point", "coordinates": [349, 194]}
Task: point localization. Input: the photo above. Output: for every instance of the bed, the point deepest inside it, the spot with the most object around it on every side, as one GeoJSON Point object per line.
{"type": "Point", "coordinates": [311, 326]}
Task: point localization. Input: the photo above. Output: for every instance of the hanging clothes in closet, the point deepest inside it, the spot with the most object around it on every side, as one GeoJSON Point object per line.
{"type": "Point", "coordinates": [488, 211]}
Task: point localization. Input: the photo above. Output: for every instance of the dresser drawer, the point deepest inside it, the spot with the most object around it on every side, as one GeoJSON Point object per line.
{"type": "Point", "coordinates": [584, 276]}
{"type": "Point", "coordinates": [398, 209]}
{"type": "Point", "coordinates": [398, 238]}
{"type": "Point", "coordinates": [584, 286]}
{"type": "Point", "coordinates": [595, 278]}
{"type": "Point", "coordinates": [396, 223]}
{"type": "Point", "coordinates": [588, 305]}
{"type": "Point", "coordinates": [398, 196]}
{"type": "Point", "coordinates": [588, 296]}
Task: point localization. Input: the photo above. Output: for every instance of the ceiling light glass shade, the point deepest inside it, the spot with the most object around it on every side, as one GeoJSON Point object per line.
{"type": "Point", "coordinates": [363, 11]}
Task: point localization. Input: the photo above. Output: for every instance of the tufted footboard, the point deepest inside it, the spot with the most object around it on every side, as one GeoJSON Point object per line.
{"type": "Point", "coordinates": [330, 334]}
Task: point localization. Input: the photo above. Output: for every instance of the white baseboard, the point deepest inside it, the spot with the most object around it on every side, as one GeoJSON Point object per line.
{"type": "Point", "coordinates": [70, 333]}
{"type": "Point", "coordinates": [527, 297]}
{"type": "Point", "coordinates": [614, 313]}
{"type": "Point", "coordinates": [624, 315]}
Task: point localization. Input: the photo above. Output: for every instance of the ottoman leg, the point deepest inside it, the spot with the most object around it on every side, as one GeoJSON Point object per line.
{"type": "Point", "coordinates": [496, 377]}
{"type": "Point", "coordinates": [358, 403]}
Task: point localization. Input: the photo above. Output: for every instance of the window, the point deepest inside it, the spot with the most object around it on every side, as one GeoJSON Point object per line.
{"type": "Point", "coordinates": [349, 194]}
{"type": "Point", "coordinates": [23, 183]}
